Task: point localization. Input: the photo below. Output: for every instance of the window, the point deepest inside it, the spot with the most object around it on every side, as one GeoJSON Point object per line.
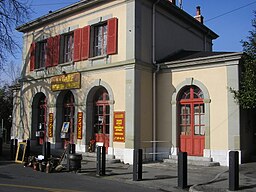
{"type": "Point", "coordinates": [99, 40]}
{"type": "Point", "coordinates": [80, 44]}
{"type": "Point", "coordinates": [40, 54]}
{"type": "Point", "coordinates": [67, 48]}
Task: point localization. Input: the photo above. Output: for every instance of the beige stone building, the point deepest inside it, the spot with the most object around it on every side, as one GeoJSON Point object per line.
{"type": "Point", "coordinates": [128, 74]}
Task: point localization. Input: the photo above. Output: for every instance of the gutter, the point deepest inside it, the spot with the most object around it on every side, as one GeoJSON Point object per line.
{"type": "Point", "coordinates": [154, 77]}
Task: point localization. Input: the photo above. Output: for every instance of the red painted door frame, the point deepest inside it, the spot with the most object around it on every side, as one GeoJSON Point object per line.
{"type": "Point", "coordinates": [190, 142]}
{"type": "Point", "coordinates": [102, 119]}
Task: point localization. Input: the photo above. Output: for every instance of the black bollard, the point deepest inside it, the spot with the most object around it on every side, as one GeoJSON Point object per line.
{"type": "Point", "coordinates": [182, 170]}
{"type": "Point", "coordinates": [11, 149]}
{"type": "Point", "coordinates": [137, 165]}
{"type": "Point", "coordinates": [1, 146]}
{"type": "Point", "coordinates": [98, 162]}
{"type": "Point", "coordinates": [48, 150]}
{"type": "Point", "coordinates": [28, 148]}
{"type": "Point", "coordinates": [68, 153]}
{"type": "Point", "coordinates": [233, 171]}
{"type": "Point", "coordinates": [103, 160]}
{"type": "Point", "coordinates": [44, 150]}
{"type": "Point", "coordinates": [15, 148]}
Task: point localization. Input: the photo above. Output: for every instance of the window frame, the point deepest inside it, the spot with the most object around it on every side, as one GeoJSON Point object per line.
{"type": "Point", "coordinates": [64, 54]}
{"type": "Point", "coordinates": [40, 55]}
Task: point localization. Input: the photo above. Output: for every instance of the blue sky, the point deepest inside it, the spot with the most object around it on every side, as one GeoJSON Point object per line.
{"type": "Point", "coordinates": [230, 19]}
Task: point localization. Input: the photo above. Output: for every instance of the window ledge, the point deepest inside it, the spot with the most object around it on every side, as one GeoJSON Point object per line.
{"type": "Point", "coordinates": [67, 63]}
{"type": "Point", "coordinates": [40, 69]}
{"type": "Point", "coordinates": [98, 57]}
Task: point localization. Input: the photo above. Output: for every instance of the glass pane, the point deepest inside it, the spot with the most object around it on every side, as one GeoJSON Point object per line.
{"type": "Point", "coordinates": [197, 120]}
{"type": "Point", "coordinates": [202, 132]}
{"type": "Point", "coordinates": [107, 129]}
{"type": "Point", "coordinates": [107, 119]}
{"type": "Point", "coordinates": [197, 130]}
{"type": "Point", "coordinates": [107, 109]}
{"type": "Point", "coordinates": [100, 110]}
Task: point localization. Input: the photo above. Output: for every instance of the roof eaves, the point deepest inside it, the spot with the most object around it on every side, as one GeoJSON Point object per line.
{"type": "Point", "coordinates": [203, 60]}
{"type": "Point", "coordinates": [57, 14]}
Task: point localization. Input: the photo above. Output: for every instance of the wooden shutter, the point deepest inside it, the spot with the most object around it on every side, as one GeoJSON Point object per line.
{"type": "Point", "coordinates": [85, 52]}
{"type": "Point", "coordinates": [77, 44]}
{"type": "Point", "coordinates": [49, 52]}
{"type": "Point", "coordinates": [61, 59]}
{"type": "Point", "coordinates": [32, 56]}
{"type": "Point", "coordinates": [112, 36]}
{"type": "Point", "coordinates": [56, 50]}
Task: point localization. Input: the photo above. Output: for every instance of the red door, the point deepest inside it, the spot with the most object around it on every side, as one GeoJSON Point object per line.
{"type": "Point", "coordinates": [192, 126]}
{"type": "Point", "coordinates": [101, 117]}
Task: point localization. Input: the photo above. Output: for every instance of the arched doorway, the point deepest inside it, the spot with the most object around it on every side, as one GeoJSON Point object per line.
{"type": "Point", "coordinates": [191, 114]}
{"type": "Point", "coordinates": [101, 117]}
{"type": "Point", "coordinates": [65, 118]}
{"type": "Point", "coordinates": [39, 110]}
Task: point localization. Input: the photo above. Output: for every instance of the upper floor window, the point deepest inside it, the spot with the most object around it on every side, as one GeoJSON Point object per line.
{"type": "Point", "coordinates": [80, 44]}
{"type": "Point", "coordinates": [99, 39]}
{"type": "Point", "coordinates": [40, 54]}
{"type": "Point", "coordinates": [67, 48]}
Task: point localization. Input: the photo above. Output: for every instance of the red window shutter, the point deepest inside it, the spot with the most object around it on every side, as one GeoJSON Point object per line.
{"type": "Point", "coordinates": [49, 52]}
{"type": "Point", "coordinates": [56, 50]}
{"type": "Point", "coordinates": [77, 44]}
{"type": "Point", "coordinates": [32, 56]}
{"type": "Point", "coordinates": [112, 36]}
{"type": "Point", "coordinates": [85, 52]}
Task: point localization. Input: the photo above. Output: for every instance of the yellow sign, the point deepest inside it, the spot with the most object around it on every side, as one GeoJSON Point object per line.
{"type": "Point", "coordinates": [67, 81]}
{"type": "Point", "coordinates": [50, 125]}
{"type": "Point", "coordinates": [119, 126]}
{"type": "Point", "coordinates": [79, 125]}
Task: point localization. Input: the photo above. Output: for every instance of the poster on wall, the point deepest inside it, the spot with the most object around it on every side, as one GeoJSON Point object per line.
{"type": "Point", "coordinates": [50, 125]}
{"type": "Point", "coordinates": [119, 126]}
{"type": "Point", "coordinates": [79, 125]}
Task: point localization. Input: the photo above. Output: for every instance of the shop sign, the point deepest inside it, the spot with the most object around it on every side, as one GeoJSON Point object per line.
{"type": "Point", "coordinates": [79, 125]}
{"type": "Point", "coordinates": [67, 81]}
{"type": "Point", "coordinates": [119, 126]}
{"type": "Point", "coordinates": [50, 125]}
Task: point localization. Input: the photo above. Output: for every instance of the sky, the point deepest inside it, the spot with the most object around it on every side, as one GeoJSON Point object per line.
{"type": "Point", "coordinates": [230, 19]}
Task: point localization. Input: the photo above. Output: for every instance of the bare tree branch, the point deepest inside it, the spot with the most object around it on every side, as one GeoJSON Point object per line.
{"type": "Point", "coordinates": [12, 13]}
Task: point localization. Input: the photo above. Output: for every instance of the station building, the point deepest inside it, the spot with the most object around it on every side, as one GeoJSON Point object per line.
{"type": "Point", "coordinates": [129, 74]}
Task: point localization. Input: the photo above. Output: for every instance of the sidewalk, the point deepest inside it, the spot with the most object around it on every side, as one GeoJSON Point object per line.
{"type": "Point", "coordinates": [163, 176]}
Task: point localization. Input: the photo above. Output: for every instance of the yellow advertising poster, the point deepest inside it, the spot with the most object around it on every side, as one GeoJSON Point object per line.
{"type": "Point", "coordinates": [79, 125]}
{"type": "Point", "coordinates": [119, 126]}
{"type": "Point", "coordinates": [50, 125]}
{"type": "Point", "coordinates": [67, 81]}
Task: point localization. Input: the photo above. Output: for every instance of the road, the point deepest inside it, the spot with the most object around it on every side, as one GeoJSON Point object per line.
{"type": "Point", "coordinates": [16, 178]}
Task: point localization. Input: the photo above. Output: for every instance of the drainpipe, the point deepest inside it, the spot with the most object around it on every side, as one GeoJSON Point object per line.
{"type": "Point", "coordinates": [154, 77]}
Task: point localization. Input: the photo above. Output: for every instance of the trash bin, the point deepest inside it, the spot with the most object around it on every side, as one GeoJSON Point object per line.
{"type": "Point", "coordinates": [75, 162]}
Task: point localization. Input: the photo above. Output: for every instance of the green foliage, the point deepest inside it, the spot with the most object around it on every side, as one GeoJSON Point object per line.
{"type": "Point", "coordinates": [246, 95]}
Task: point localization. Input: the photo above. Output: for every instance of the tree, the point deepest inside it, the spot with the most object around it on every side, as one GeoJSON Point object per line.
{"type": "Point", "coordinates": [6, 109]}
{"type": "Point", "coordinates": [12, 13]}
{"type": "Point", "coordinates": [246, 95]}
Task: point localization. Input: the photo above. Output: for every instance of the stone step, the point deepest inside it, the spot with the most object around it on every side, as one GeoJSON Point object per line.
{"type": "Point", "coordinates": [192, 160]}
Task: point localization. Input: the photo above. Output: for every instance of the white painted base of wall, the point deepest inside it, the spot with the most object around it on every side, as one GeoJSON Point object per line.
{"type": "Point", "coordinates": [125, 155]}
{"type": "Point", "coordinates": [221, 156]}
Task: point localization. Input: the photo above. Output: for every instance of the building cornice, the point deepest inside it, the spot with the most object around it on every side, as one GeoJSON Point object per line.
{"type": "Point", "coordinates": [203, 62]}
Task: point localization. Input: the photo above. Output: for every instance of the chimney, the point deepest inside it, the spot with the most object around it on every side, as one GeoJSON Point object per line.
{"type": "Point", "coordinates": [198, 16]}
{"type": "Point", "coordinates": [173, 1]}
